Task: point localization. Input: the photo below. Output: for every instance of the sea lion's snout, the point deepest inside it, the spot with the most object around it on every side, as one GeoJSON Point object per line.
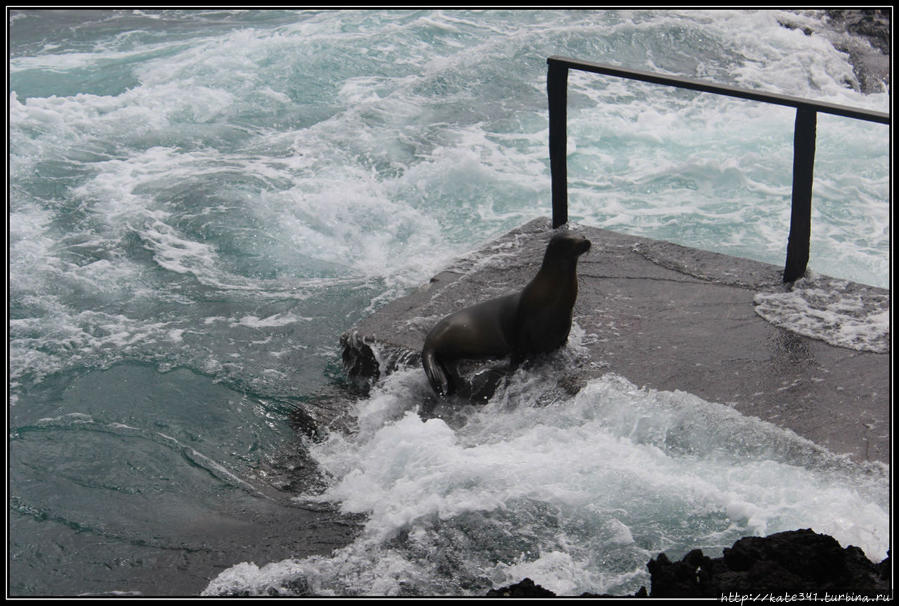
{"type": "Point", "coordinates": [567, 245]}
{"type": "Point", "coordinates": [578, 245]}
{"type": "Point", "coordinates": [582, 246]}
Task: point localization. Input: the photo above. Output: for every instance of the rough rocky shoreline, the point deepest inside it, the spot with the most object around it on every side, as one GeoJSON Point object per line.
{"type": "Point", "coordinates": [871, 24]}
{"type": "Point", "coordinates": [864, 34]}
{"type": "Point", "coordinates": [792, 563]}
{"type": "Point", "coordinates": [870, 64]}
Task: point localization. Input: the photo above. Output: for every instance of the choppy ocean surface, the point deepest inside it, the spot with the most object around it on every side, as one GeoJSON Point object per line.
{"type": "Point", "coordinates": [201, 202]}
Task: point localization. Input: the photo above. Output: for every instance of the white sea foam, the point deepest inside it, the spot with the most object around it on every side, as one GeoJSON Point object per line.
{"type": "Point", "coordinates": [274, 320]}
{"type": "Point", "coordinates": [193, 197]}
{"type": "Point", "coordinates": [836, 311]}
{"type": "Point", "coordinates": [462, 170]}
{"type": "Point", "coordinates": [551, 491]}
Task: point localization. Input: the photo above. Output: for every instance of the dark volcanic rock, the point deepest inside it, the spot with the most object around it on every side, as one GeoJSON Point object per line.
{"type": "Point", "coordinates": [864, 34]}
{"type": "Point", "coordinates": [797, 561]}
{"type": "Point", "coordinates": [523, 589]}
{"type": "Point", "coordinates": [526, 588]}
{"type": "Point", "coordinates": [871, 24]}
{"type": "Point", "coordinates": [793, 562]}
{"type": "Point", "coordinates": [871, 67]}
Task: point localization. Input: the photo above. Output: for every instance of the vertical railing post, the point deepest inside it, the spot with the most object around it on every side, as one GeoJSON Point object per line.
{"type": "Point", "coordinates": [801, 210]}
{"type": "Point", "coordinates": [557, 90]}
{"type": "Point", "coordinates": [803, 143]}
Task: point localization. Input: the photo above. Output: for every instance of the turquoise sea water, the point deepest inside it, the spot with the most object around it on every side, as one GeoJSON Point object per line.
{"type": "Point", "coordinates": [201, 202]}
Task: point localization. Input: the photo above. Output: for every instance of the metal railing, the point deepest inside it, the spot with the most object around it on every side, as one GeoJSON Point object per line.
{"type": "Point", "coordinates": [803, 142]}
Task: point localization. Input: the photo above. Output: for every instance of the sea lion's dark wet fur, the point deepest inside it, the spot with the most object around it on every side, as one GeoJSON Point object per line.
{"type": "Point", "coordinates": [533, 321]}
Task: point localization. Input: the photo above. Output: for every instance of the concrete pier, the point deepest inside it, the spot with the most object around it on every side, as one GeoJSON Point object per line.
{"type": "Point", "coordinates": [665, 317]}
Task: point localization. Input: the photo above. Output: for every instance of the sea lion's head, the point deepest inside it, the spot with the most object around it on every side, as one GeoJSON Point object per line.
{"type": "Point", "coordinates": [567, 247]}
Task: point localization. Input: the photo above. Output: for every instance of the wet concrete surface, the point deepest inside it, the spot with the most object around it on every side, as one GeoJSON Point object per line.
{"type": "Point", "coordinates": [664, 317]}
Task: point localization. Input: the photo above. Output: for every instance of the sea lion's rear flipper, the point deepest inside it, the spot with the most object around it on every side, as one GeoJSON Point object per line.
{"type": "Point", "coordinates": [436, 373]}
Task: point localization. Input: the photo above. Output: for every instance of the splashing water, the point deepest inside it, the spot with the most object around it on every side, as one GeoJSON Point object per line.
{"type": "Point", "coordinates": [578, 493]}
{"type": "Point", "coordinates": [201, 202]}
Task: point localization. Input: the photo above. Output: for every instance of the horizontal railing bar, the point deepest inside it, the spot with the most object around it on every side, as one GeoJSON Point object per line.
{"type": "Point", "coordinates": [730, 91]}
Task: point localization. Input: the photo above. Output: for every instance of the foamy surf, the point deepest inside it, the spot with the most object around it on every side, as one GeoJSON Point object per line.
{"type": "Point", "coordinates": [202, 202]}
{"type": "Point", "coordinates": [577, 494]}
{"type": "Point", "coordinates": [836, 311]}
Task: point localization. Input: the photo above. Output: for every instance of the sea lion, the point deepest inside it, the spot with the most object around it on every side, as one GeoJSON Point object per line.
{"type": "Point", "coordinates": [534, 321]}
